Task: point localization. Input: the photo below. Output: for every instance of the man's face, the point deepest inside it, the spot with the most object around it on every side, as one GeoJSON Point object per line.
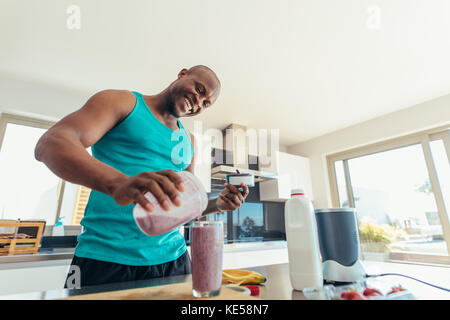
{"type": "Point", "coordinates": [193, 92]}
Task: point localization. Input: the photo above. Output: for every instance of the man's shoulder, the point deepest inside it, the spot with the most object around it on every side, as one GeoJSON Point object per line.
{"type": "Point", "coordinates": [120, 100]}
{"type": "Point", "coordinates": [115, 94]}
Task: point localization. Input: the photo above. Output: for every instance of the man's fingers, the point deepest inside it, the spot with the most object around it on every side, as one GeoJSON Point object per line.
{"type": "Point", "coordinates": [236, 190]}
{"type": "Point", "coordinates": [235, 193]}
{"type": "Point", "coordinates": [154, 188]}
{"type": "Point", "coordinates": [234, 198]}
{"type": "Point", "coordinates": [225, 191]}
{"type": "Point", "coordinates": [140, 199]}
{"type": "Point", "coordinates": [231, 204]}
{"type": "Point", "coordinates": [169, 188]}
{"type": "Point", "coordinates": [241, 197]}
{"type": "Point", "coordinates": [232, 188]}
{"type": "Point", "coordinates": [175, 178]}
{"type": "Point", "coordinates": [246, 190]}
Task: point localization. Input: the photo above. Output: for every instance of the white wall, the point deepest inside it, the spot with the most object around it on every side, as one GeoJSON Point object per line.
{"type": "Point", "coordinates": [422, 116]}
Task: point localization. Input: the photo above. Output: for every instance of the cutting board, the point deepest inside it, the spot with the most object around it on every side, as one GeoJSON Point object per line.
{"type": "Point", "coordinates": [178, 291]}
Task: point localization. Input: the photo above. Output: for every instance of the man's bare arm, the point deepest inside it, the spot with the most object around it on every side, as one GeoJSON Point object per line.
{"type": "Point", "coordinates": [63, 149]}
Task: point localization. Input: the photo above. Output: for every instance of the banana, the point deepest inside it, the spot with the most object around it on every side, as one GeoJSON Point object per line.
{"type": "Point", "coordinates": [239, 277]}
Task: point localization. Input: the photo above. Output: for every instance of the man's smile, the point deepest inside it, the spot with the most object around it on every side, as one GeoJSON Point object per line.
{"type": "Point", "coordinates": [189, 107]}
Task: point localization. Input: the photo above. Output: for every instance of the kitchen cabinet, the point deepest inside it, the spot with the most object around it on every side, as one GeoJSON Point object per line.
{"type": "Point", "coordinates": [202, 167]}
{"type": "Point", "coordinates": [293, 172]}
{"type": "Point", "coordinates": [33, 276]}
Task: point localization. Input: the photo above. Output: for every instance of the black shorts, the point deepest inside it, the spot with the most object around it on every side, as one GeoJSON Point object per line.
{"type": "Point", "coordinates": [96, 272]}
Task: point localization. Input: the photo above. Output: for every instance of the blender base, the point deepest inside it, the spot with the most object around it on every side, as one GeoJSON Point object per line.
{"type": "Point", "coordinates": [338, 274]}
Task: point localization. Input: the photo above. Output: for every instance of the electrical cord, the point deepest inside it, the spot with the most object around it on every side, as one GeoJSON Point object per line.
{"type": "Point", "coordinates": [402, 275]}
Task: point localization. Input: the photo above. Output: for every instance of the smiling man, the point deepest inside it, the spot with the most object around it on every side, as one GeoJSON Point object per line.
{"type": "Point", "coordinates": [131, 136]}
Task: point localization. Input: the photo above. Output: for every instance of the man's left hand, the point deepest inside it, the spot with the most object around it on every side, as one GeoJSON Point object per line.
{"type": "Point", "coordinates": [231, 198]}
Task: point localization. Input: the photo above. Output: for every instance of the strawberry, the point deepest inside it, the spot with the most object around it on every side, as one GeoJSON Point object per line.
{"type": "Point", "coordinates": [370, 292]}
{"type": "Point", "coordinates": [351, 295]}
{"type": "Point", "coordinates": [396, 289]}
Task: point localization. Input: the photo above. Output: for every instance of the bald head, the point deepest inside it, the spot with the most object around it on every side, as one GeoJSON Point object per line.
{"type": "Point", "coordinates": [204, 69]}
{"type": "Point", "coordinates": [195, 90]}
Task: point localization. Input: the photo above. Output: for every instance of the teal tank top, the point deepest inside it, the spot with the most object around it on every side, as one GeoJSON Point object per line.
{"type": "Point", "coordinates": [139, 143]}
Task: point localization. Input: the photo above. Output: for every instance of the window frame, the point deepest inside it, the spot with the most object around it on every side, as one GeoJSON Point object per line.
{"type": "Point", "coordinates": [28, 121]}
{"type": "Point", "coordinates": [422, 138]}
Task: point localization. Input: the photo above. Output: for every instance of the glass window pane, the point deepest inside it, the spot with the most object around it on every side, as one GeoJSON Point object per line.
{"type": "Point", "coordinates": [248, 222]}
{"type": "Point", "coordinates": [74, 203]}
{"type": "Point", "coordinates": [341, 184]}
{"type": "Point", "coordinates": [28, 189]}
{"type": "Point", "coordinates": [395, 204]}
{"type": "Point", "coordinates": [441, 163]}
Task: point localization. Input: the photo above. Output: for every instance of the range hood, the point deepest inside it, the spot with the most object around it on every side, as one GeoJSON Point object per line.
{"type": "Point", "coordinates": [221, 172]}
{"type": "Point", "coordinates": [236, 156]}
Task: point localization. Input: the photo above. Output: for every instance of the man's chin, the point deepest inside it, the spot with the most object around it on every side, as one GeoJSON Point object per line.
{"type": "Point", "coordinates": [179, 113]}
{"type": "Point", "coordinates": [176, 112]}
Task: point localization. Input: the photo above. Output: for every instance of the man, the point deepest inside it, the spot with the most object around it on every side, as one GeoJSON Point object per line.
{"type": "Point", "coordinates": [131, 138]}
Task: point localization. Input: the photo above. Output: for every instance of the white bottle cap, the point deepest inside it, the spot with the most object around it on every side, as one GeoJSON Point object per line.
{"type": "Point", "coordinates": [296, 192]}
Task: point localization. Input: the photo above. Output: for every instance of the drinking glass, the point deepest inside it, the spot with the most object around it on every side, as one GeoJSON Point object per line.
{"type": "Point", "coordinates": [207, 257]}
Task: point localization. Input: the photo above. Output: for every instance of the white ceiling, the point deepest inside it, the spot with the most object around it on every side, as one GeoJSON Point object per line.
{"type": "Point", "coordinates": [304, 67]}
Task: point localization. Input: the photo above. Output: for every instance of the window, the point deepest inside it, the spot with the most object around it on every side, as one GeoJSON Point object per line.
{"type": "Point", "coordinates": [80, 204]}
{"type": "Point", "coordinates": [248, 222]}
{"type": "Point", "coordinates": [441, 161]}
{"type": "Point", "coordinates": [341, 184]}
{"type": "Point", "coordinates": [28, 189]}
{"type": "Point", "coordinates": [401, 192]}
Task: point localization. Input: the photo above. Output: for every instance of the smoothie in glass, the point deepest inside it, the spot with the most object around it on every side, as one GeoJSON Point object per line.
{"type": "Point", "coordinates": [206, 256]}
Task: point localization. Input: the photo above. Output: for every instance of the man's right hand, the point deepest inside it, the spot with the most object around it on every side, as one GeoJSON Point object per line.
{"type": "Point", "coordinates": [164, 185]}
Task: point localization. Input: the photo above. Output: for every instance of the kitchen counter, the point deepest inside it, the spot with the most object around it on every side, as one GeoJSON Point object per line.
{"type": "Point", "coordinates": [277, 287]}
{"type": "Point", "coordinates": [6, 262]}
{"type": "Point", "coordinates": [56, 256]}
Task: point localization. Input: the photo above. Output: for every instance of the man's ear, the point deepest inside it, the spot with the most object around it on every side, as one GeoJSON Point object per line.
{"type": "Point", "coordinates": [182, 73]}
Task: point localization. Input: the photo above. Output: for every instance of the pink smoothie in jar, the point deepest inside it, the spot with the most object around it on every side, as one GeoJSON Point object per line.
{"type": "Point", "coordinates": [206, 256]}
{"type": "Point", "coordinates": [193, 202]}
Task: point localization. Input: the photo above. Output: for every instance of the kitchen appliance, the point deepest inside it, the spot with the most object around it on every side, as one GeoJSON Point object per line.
{"type": "Point", "coordinates": [339, 245]}
{"type": "Point", "coordinates": [236, 157]}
